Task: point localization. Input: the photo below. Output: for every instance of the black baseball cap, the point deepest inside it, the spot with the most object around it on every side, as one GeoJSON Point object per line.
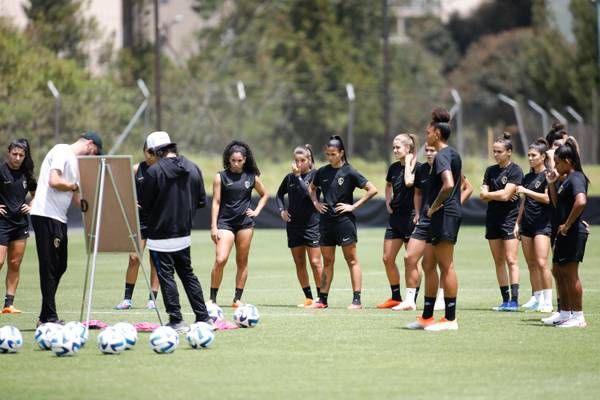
{"type": "Point", "coordinates": [94, 137]}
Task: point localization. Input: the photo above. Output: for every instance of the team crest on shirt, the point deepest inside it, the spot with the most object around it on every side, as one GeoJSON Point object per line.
{"type": "Point", "coordinates": [247, 184]}
{"type": "Point", "coordinates": [537, 184]}
{"type": "Point", "coordinates": [504, 180]}
{"type": "Point", "coordinates": [340, 181]}
{"type": "Point", "coordinates": [24, 184]}
{"type": "Point", "coordinates": [56, 242]}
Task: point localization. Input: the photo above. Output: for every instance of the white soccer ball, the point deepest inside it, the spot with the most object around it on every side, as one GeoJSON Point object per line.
{"type": "Point", "coordinates": [246, 316]}
{"type": "Point", "coordinates": [111, 341]}
{"type": "Point", "coordinates": [164, 340]}
{"type": "Point", "coordinates": [129, 333]}
{"type": "Point", "coordinates": [44, 333]}
{"type": "Point", "coordinates": [201, 335]}
{"type": "Point", "coordinates": [79, 329]}
{"type": "Point", "coordinates": [214, 312]}
{"type": "Point", "coordinates": [65, 342]}
{"type": "Point", "coordinates": [11, 339]}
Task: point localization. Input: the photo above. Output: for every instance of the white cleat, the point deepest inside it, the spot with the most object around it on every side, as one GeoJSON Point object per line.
{"type": "Point", "coordinates": [420, 323]}
{"type": "Point", "coordinates": [405, 306]}
{"type": "Point", "coordinates": [531, 303]}
{"type": "Point", "coordinates": [544, 308]}
{"type": "Point", "coordinates": [573, 322]}
{"type": "Point", "coordinates": [442, 325]}
{"type": "Point", "coordinates": [555, 319]}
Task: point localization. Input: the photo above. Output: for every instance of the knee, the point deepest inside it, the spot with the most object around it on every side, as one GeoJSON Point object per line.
{"type": "Point", "coordinates": [387, 259]}
{"type": "Point", "coordinates": [351, 261]}
{"type": "Point", "coordinates": [220, 262]}
{"type": "Point", "coordinates": [315, 262]}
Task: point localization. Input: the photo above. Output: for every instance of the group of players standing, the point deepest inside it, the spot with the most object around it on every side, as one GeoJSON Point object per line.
{"type": "Point", "coordinates": [423, 202]}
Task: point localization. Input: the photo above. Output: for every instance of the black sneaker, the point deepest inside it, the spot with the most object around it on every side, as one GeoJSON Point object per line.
{"type": "Point", "coordinates": [179, 327]}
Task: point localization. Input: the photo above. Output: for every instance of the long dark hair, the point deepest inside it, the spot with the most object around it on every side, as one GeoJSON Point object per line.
{"type": "Point", "coordinates": [541, 146]}
{"type": "Point", "coordinates": [237, 146]}
{"type": "Point", "coordinates": [440, 120]}
{"type": "Point", "coordinates": [557, 132]}
{"type": "Point", "coordinates": [27, 166]}
{"type": "Point", "coordinates": [570, 152]}
{"type": "Point", "coordinates": [337, 142]}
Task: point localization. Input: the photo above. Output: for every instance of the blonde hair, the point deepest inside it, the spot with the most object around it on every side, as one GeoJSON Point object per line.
{"type": "Point", "coordinates": [408, 139]}
{"type": "Point", "coordinates": [306, 151]}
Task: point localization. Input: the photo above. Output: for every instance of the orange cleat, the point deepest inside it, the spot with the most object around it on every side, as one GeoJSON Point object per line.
{"type": "Point", "coordinates": [307, 302]}
{"type": "Point", "coordinates": [236, 304]}
{"type": "Point", "coordinates": [11, 310]}
{"type": "Point", "coordinates": [317, 304]}
{"type": "Point", "coordinates": [389, 303]}
{"type": "Point", "coordinates": [421, 323]}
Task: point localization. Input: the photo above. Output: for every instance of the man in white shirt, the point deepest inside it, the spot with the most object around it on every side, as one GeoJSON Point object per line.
{"type": "Point", "coordinates": [58, 185]}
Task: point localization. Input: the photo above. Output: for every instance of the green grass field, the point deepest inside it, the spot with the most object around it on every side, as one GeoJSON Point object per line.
{"type": "Point", "coordinates": [301, 354]}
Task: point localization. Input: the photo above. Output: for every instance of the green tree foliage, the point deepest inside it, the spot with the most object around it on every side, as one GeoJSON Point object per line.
{"type": "Point", "coordinates": [586, 54]}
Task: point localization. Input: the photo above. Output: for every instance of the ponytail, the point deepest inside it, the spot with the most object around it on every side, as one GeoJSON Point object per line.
{"type": "Point", "coordinates": [569, 151]}
{"type": "Point", "coordinates": [337, 142]}
{"type": "Point", "coordinates": [440, 120]}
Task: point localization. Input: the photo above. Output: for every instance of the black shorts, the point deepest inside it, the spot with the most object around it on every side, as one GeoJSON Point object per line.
{"type": "Point", "coordinates": [235, 228]}
{"type": "Point", "coordinates": [339, 232]}
{"type": "Point", "coordinates": [11, 233]}
{"type": "Point", "coordinates": [500, 230]}
{"type": "Point", "coordinates": [303, 236]}
{"type": "Point", "coordinates": [532, 231]}
{"type": "Point", "coordinates": [570, 248]}
{"type": "Point", "coordinates": [421, 231]}
{"type": "Point", "coordinates": [400, 226]}
{"type": "Point", "coordinates": [443, 228]}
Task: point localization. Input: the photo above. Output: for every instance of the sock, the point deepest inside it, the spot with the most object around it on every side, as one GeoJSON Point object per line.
{"type": "Point", "coordinates": [547, 296]}
{"type": "Point", "coordinates": [417, 293]}
{"type": "Point", "coordinates": [428, 307]}
{"type": "Point", "coordinates": [538, 296]}
{"type": "Point", "coordinates": [557, 303]}
{"type": "Point", "coordinates": [8, 300]}
{"type": "Point", "coordinates": [396, 292]}
{"type": "Point", "coordinates": [578, 314]}
{"type": "Point", "coordinates": [129, 290]}
{"type": "Point", "coordinates": [238, 294]}
{"type": "Point", "coordinates": [307, 292]}
{"type": "Point", "coordinates": [564, 314]}
{"type": "Point", "coordinates": [323, 297]}
{"type": "Point", "coordinates": [319, 292]}
{"type": "Point", "coordinates": [410, 294]}
{"type": "Point", "coordinates": [155, 293]}
{"type": "Point", "coordinates": [450, 308]}
{"type": "Point", "coordinates": [356, 297]}
{"type": "Point", "coordinates": [505, 294]}
{"type": "Point", "coordinates": [213, 294]}
{"type": "Point", "coordinates": [514, 293]}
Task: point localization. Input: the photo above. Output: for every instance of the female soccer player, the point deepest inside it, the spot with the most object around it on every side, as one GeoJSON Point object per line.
{"type": "Point", "coordinates": [569, 197]}
{"type": "Point", "coordinates": [134, 262]}
{"type": "Point", "coordinates": [445, 215]}
{"type": "Point", "coordinates": [302, 220]}
{"type": "Point", "coordinates": [337, 226]}
{"type": "Point", "coordinates": [232, 218]}
{"type": "Point", "coordinates": [533, 227]}
{"type": "Point", "coordinates": [399, 194]}
{"type": "Point", "coordinates": [499, 191]}
{"type": "Point", "coordinates": [17, 181]}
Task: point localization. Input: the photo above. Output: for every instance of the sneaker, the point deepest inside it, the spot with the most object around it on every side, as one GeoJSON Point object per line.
{"type": "Point", "coordinates": [389, 303]}
{"type": "Point", "coordinates": [442, 325]}
{"type": "Point", "coordinates": [573, 323]}
{"type": "Point", "coordinates": [354, 306]}
{"type": "Point", "coordinates": [236, 304]}
{"type": "Point", "coordinates": [439, 305]}
{"type": "Point", "coordinates": [151, 305]}
{"type": "Point", "coordinates": [531, 303]}
{"type": "Point", "coordinates": [544, 308]}
{"type": "Point", "coordinates": [307, 302]}
{"type": "Point", "coordinates": [512, 306]}
{"type": "Point", "coordinates": [405, 306]}
{"type": "Point", "coordinates": [502, 306]}
{"type": "Point", "coordinates": [179, 327]}
{"type": "Point", "coordinates": [124, 305]}
{"type": "Point", "coordinates": [420, 323]}
{"type": "Point", "coordinates": [552, 316]}
{"type": "Point", "coordinates": [555, 319]}
{"type": "Point", "coordinates": [317, 304]}
{"type": "Point", "coordinates": [11, 310]}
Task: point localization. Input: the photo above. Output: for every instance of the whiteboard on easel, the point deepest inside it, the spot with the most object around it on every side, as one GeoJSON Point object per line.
{"type": "Point", "coordinates": [119, 215]}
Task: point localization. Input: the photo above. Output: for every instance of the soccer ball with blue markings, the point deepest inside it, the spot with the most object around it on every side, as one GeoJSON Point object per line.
{"type": "Point", "coordinates": [65, 342]}
{"type": "Point", "coordinates": [246, 316]}
{"type": "Point", "coordinates": [11, 339]}
{"type": "Point", "coordinates": [200, 336]}
{"type": "Point", "coordinates": [215, 313]}
{"type": "Point", "coordinates": [129, 333]}
{"type": "Point", "coordinates": [111, 341]}
{"type": "Point", "coordinates": [79, 329]}
{"type": "Point", "coordinates": [164, 340]}
{"type": "Point", "coordinates": [44, 334]}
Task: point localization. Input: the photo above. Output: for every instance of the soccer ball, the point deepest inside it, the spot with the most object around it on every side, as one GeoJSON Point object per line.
{"type": "Point", "coordinates": [200, 335]}
{"type": "Point", "coordinates": [65, 342]}
{"type": "Point", "coordinates": [214, 312]}
{"type": "Point", "coordinates": [111, 341]}
{"type": "Point", "coordinates": [79, 330]}
{"type": "Point", "coordinates": [11, 339]}
{"type": "Point", "coordinates": [44, 333]}
{"type": "Point", "coordinates": [129, 333]}
{"type": "Point", "coordinates": [164, 340]}
{"type": "Point", "coordinates": [246, 316]}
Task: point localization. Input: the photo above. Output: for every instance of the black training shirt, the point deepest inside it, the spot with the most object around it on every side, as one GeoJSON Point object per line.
{"type": "Point", "coordinates": [574, 184]}
{"type": "Point", "coordinates": [236, 194]}
{"type": "Point", "coordinates": [496, 178]}
{"type": "Point", "coordinates": [536, 214]}
{"type": "Point", "coordinates": [337, 186]}
{"type": "Point", "coordinates": [402, 201]}
{"type": "Point", "coordinates": [300, 207]}
{"type": "Point", "coordinates": [14, 187]}
{"type": "Point", "coordinates": [447, 159]}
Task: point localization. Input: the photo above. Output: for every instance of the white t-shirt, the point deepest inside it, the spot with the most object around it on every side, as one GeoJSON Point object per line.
{"type": "Point", "coordinates": [49, 202]}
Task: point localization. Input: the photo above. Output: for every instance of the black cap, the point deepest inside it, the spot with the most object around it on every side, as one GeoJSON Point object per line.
{"type": "Point", "coordinates": [94, 137]}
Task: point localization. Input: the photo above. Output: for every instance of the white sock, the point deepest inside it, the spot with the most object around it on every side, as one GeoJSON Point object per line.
{"type": "Point", "coordinates": [565, 314]}
{"type": "Point", "coordinates": [578, 315]}
{"type": "Point", "coordinates": [440, 295]}
{"type": "Point", "coordinates": [537, 295]}
{"type": "Point", "coordinates": [410, 295]}
{"type": "Point", "coordinates": [547, 296]}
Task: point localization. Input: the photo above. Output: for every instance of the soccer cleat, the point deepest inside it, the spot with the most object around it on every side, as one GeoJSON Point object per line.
{"type": "Point", "coordinates": [236, 304]}
{"type": "Point", "coordinates": [307, 302]}
{"type": "Point", "coordinates": [552, 317]}
{"type": "Point", "coordinates": [405, 306]}
{"type": "Point", "coordinates": [317, 304]}
{"type": "Point", "coordinates": [544, 308]}
{"type": "Point", "coordinates": [573, 322]}
{"type": "Point", "coordinates": [354, 306]}
{"type": "Point", "coordinates": [179, 327]}
{"type": "Point", "coordinates": [501, 307]}
{"type": "Point", "coordinates": [531, 303]}
{"type": "Point", "coordinates": [11, 310]}
{"type": "Point", "coordinates": [442, 325]}
{"type": "Point", "coordinates": [389, 303]}
{"type": "Point", "coordinates": [150, 305]}
{"type": "Point", "coordinates": [512, 306]}
{"type": "Point", "coordinates": [124, 305]}
{"type": "Point", "coordinates": [555, 319]}
{"type": "Point", "coordinates": [420, 323]}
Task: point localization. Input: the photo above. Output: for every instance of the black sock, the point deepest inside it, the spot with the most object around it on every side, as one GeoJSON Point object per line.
{"type": "Point", "coordinates": [514, 292]}
{"type": "Point", "coordinates": [356, 297]}
{"type": "Point", "coordinates": [307, 292]}
{"type": "Point", "coordinates": [129, 290]}
{"type": "Point", "coordinates": [213, 294]}
{"type": "Point", "coordinates": [238, 294]}
{"type": "Point", "coordinates": [557, 304]}
{"type": "Point", "coordinates": [8, 300]}
{"type": "Point", "coordinates": [417, 293]}
{"type": "Point", "coordinates": [504, 291]}
{"type": "Point", "coordinates": [428, 307]}
{"type": "Point", "coordinates": [323, 297]}
{"type": "Point", "coordinates": [450, 308]}
{"type": "Point", "coordinates": [396, 292]}
{"type": "Point", "coordinates": [319, 292]}
{"type": "Point", "coordinates": [155, 293]}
